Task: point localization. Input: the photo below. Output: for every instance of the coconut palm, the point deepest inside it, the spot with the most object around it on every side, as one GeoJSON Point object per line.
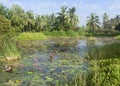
{"type": "Point", "coordinates": [93, 22]}
{"type": "Point", "coordinates": [61, 19]}
{"type": "Point", "coordinates": [105, 21]}
{"type": "Point", "coordinates": [72, 17]}
{"type": "Point", "coordinates": [63, 14]}
{"type": "Point", "coordinates": [30, 20]}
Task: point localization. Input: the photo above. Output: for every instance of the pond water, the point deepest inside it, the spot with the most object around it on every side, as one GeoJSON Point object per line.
{"type": "Point", "coordinates": [39, 67]}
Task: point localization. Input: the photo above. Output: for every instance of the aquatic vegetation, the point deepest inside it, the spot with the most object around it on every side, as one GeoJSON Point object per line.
{"type": "Point", "coordinates": [69, 68]}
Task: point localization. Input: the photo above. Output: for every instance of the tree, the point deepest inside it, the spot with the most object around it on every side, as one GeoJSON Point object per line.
{"type": "Point", "coordinates": [105, 21]}
{"type": "Point", "coordinates": [61, 20]}
{"type": "Point", "coordinates": [17, 17]}
{"type": "Point", "coordinates": [117, 27]}
{"type": "Point", "coordinates": [117, 18]}
{"type": "Point", "coordinates": [72, 18]}
{"type": "Point", "coordinates": [30, 20]}
{"type": "Point", "coordinates": [41, 23]}
{"type": "Point", "coordinates": [93, 23]}
{"type": "Point", "coordinates": [51, 22]}
{"type": "Point", "coordinates": [3, 10]}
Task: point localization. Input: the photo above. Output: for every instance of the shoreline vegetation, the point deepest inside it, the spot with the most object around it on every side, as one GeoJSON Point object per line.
{"type": "Point", "coordinates": [29, 36]}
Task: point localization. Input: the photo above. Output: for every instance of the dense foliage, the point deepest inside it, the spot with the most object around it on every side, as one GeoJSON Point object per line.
{"type": "Point", "coordinates": [7, 42]}
{"type": "Point", "coordinates": [66, 19]}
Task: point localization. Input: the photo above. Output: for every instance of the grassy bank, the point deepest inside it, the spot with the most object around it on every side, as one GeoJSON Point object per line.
{"type": "Point", "coordinates": [31, 37]}
{"type": "Point", "coordinates": [105, 52]}
{"type": "Point", "coordinates": [8, 45]}
{"type": "Point", "coordinates": [72, 33]}
{"type": "Point", "coordinates": [104, 66]}
{"type": "Point", "coordinates": [27, 36]}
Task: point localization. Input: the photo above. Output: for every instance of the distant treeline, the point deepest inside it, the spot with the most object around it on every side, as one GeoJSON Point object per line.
{"type": "Point", "coordinates": [66, 19]}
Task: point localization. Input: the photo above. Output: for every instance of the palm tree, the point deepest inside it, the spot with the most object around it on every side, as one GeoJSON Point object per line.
{"type": "Point", "coordinates": [51, 19]}
{"type": "Point", "coordinates": [63, 14]}
{"type": "Point", "coordinates": [30, 20]}
{"type": "Point", "coordinates": [72, 17]}
{"type": "Point", "coordinates": [105, 21]}
{"type": "Point", "coordinates": [17, 16]}
{"type": "Point", "coordinates": [93, 22]}
{"type": "Point", "coordinates": [61, 19]}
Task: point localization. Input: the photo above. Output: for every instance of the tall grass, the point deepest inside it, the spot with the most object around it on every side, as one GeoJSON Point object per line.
{"type": "Point", "coordinates": [9, 49]}
{"type": "Point", "coordinates": [104, 72]}
{"type": "Point", "coordinates": [104, 66]}
{"type": "Point", "coordinates": [105, 52]}
{"type": "Point", "coordinates": [118, 37]}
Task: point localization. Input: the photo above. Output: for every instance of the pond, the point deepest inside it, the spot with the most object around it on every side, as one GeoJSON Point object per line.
{"type": "Point", "coordinates": [51, 62]}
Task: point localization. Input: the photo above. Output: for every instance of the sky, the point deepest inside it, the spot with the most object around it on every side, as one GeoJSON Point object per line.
{"type": "Point", "coordinates": [83, 7]}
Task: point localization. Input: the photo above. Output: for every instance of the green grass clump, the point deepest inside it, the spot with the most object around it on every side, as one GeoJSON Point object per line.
{"type": "Point", "coordinates": [31, 36]}
{"type": "Point", "coordinates": [10, 51]}
{"type": "Point", "coordinates": [118, 37]}
{"type": "Point", "coordinates": [106, 51]}
{"type": "Point", "coordinates": [104, 72]}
